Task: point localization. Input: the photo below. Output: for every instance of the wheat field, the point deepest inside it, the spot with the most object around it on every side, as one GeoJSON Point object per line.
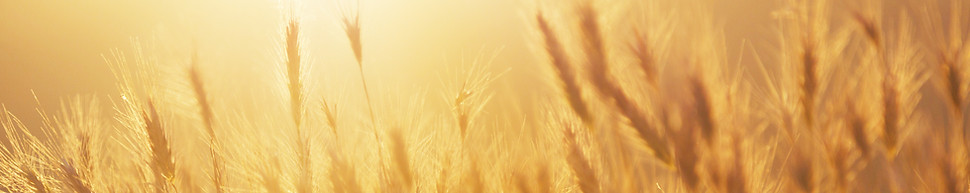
{"type": "Point", "coordinates": [626, 96]}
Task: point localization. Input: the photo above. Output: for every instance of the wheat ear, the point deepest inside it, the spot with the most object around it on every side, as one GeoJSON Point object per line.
{"type": "Point", "coordinates": [163, 163]}
{"type": "Point", "coordinates": [599, 75]}
{"type": "Point", "coordinates": [207, 119]}
{"type": "Point", "coordinates": [586, 177]}
{"type": "Point", "coordinates": [564, 70]}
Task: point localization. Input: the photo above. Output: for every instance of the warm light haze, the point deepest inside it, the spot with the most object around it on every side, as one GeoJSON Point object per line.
{"type": "Point", "coordinates": [483, 96]}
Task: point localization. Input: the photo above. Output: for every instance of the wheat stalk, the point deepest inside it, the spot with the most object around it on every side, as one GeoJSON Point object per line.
{"type": "Point", "coordinates": [163, 163]}
{"type": "Point", "coordinates": [34, 180]}
{"type": "Point", "coordinates": [74, 180]}
{"type": "Point", "coordinates": [331, 115]}
{"type": "Point", "coordinates": [401, 158]}
{"type": "Point", "coordinates": [461, 111]}
{"type": "Point", "coordinates": [441, 186]}
{"type": "Point", "coordinates": [803, 172]}
{"type": "Point", "coordinates": [207, 116]}
{"type": "Point", "coordinates": [687, 155]}
{"type": "Point", "coordinates": [352, 28]}
{"type": "Point", "coordinates": [857, 128]}
{"type": "Point", "coordinates": [809, 82]}
{"type": "Point", "coordinates": [645, 59]}
{"type": "Point", "coordinates": [585, 176]}
{"type": "Point", "coordinates": [294, 68]}
{"type": "Point", "coordinates": [599, 75]}
{"type": "Point", "coordinates": [564, 70]}
{"type": "Point", "coordinates": [704, 105]}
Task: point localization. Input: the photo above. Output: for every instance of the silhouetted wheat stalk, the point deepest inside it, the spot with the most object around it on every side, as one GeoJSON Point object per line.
{"type": "Point", "coordinates": [564, 70]}
{"type": "Point", "coordinates": [207, 120]}
{"type": "Point", "coordinates": [294, 68]}
{"type": "Point", "coordinates": [598, 69]}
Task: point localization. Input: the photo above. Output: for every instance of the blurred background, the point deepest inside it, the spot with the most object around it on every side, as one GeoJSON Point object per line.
{"type": "Point", "coordinates": [54, 49]}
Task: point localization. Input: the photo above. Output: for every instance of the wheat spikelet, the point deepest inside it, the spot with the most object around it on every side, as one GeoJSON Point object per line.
{"type": "Point", "coordinates": [645, 58]}
{"type": "Point", "coordinates": [705, 115]}
{"type": "Point", "coordinates": [461, 111]}
{"type": "Point", "coordinates": [892, 97]}
{"type": "Point", "coordinates": [870, 28]}
{"type": "Point", "coordinates": [352, 28]}
{"type": "Point", "coordinates": [564, 70]}
{"type": "Point", "coordinates": [803, 172]}
{"type": "Point", "coordinates": [857, 128]}
{"type": "Point", "coordinates": [953, 80]}
{"type": "Point", "coordinates": [809, 83]}
{"type": "Point", "coordinates": [84, 153]}
{"type": "Point", "coordinates": [891, 116]}
{"type": "Point", "coordinates": [294, 68]}
{"type": "Point", "coordinates": [951, 51]}
{"type": "Point", "coordinates": [598, 72]}
{"type": "Point", "coordinates": [74, 180]}
{"type": "Point", "coordinates": [207, 116]}
{"type": "Point", "coordinates": [201, 97]}
{"type": "Point", "coordinates": [838, 154]}
{"type": "Point", "coordinates": [163, 163]}
{"type": "Point", "coordinates": [585, 176]}
{"type": "Point", "coordinates": [401, 158]}
{"type": "Point", "coordinates": [34, 180]}
{"type": "Point", "coordinates": [687, 157]}
{"type": "Point", "coordinates": [331, 115]}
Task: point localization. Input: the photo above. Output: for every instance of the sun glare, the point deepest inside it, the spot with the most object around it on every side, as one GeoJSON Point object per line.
{"type": "Point", "coordinates": [476, 96]}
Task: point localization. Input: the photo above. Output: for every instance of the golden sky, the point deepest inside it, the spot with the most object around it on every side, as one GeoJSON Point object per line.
{"type": "Point", "coordinates": [55, 47]}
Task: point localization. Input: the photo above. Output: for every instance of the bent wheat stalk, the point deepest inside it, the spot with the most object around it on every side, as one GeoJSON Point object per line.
{"type": "Point", "coordinates": [352, 28]}
{"type": "Point", "coordinates": [207, 116]}
{"type": "Point", "coordinates": [599, 75]}
{"type": "Point", "coordinates": [564, 70]}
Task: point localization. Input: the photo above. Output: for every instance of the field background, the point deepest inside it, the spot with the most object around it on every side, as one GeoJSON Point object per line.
{"type": "Point", "coordinates": [418, 53]}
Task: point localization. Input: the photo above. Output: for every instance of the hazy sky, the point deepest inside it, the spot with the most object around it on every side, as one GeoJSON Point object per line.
{"type": "Point", "coordinates": [55, 47]}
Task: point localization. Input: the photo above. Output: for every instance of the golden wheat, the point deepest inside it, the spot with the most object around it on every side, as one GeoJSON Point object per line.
{"type": "Point", "coordinates": [833, 107]}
